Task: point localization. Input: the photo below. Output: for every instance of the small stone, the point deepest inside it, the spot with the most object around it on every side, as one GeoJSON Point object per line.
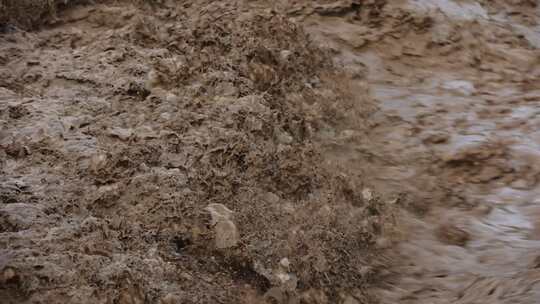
{"type": "Point", "coordinates": [284, 138]}
{"type": "Point", "coordinates": [219, 212]}
{"type": "Point", "coordinates": [285, 263]}
{"type": "Point", "coordinates": [153, 80]}
{"type": "Point", "coordinates": [123, 134]}
{"type": "Point", "coordinates": [367, 194]}
{"type": "Point", "coordinates": [97, 162]}
{"type": "Point", "coordinates": [227, 235]}
{"type": "Point", "coordinates": [288, 281]}
{"type": "Point", "coordinates": [285, 54]}
{"type": "Point", "coordinates": [144, 167]}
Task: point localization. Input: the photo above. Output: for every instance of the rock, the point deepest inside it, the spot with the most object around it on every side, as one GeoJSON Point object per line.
{"type": "Point", "coordinates": [153, 80]}
{"type": "Point", "coordinates": [97, 162]}
{"type": "Point", "coordinates": [285, 263]}
{"type": "Point", "coordinates": [219, 212]}
{"type": "Point", "coordinates": [284, 138]}
{"type": "Point", "coordinates": [226, 233]}
{"type": "Point", "coordinates": [367, 194]}
{"type": "Point", "coordinates": [285, 54]}
{"type": "Point", "coordinates": [123, 134]}
{"type": "Point", "coordinates": [287, 281]}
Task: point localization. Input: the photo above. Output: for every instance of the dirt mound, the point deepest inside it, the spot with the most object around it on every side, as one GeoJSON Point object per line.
{"type": "Point", "coordinates": [156, 153]}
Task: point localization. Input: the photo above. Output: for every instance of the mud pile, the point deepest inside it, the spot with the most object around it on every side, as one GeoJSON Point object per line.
{"type": "Point", "coordinates": [170, 154]}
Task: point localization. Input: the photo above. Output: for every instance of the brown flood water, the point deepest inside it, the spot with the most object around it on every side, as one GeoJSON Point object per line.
{"type": "Point", "coordinates": [458, 130]}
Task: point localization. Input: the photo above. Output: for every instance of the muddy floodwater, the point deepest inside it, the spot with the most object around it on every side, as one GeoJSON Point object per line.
{"type": "Point", "coordinates": [458, 130]}
{"type": "Point", "coordinates": [329, 151]}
